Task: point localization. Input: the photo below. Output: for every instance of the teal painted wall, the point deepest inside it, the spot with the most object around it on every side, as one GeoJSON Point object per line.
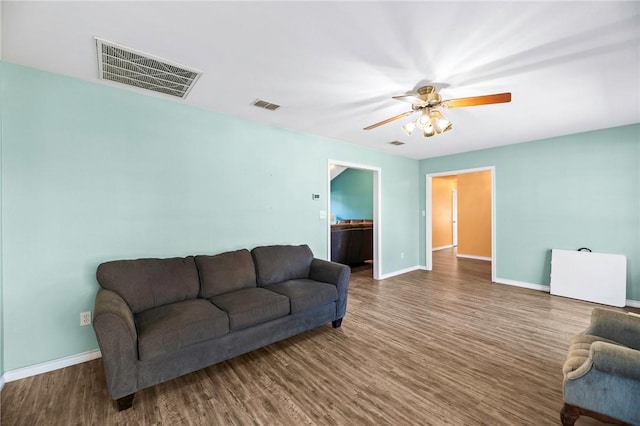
{"type": "Point", "coordinates": [352, 195]}
{"type": "Point", "coordinates": [92, 173]}
{"type": "Point", "coordinates": [581, 190]}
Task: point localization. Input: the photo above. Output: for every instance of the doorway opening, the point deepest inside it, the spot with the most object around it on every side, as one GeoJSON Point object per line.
{"type": "Point", "coordinates": [443, 228]}
{"type": "Point", "coordinates": [370, 228]}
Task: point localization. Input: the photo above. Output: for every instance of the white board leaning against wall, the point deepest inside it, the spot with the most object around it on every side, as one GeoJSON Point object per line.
{"type": "Point", "coordinates": [594, 277]}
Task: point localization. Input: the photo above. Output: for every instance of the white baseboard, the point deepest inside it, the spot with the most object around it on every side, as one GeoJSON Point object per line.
{"type": "Point", "coordinates": [1, 382]}
{"type": "Point", "coordinates": [45, 367]}
{"type": "Point", "coordinates": [442, 247]}
{"type": "Point", "coordinates": [523, 284]}
{"type": "Point", "coordinates": [400, 272]}
{"type": "Point", "coordinates": [633, 303]}
{"type": "Point", "coordinates": [629, 303]}
{"type": "Point", "coordinates": [468, 256]}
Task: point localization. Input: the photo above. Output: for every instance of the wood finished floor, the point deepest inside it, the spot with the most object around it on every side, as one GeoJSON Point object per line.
{"type": "Point", "coordinates": [432, 348]}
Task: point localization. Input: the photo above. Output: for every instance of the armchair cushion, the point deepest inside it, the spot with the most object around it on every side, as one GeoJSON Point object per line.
{"type": "Point", "coordinates": [620, 327]}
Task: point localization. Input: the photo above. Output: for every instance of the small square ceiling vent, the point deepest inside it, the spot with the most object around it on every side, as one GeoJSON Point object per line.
{"type": "Point", "coordinates": [133, 68]}
{"type": "Point", "coordinates": [266, 105]}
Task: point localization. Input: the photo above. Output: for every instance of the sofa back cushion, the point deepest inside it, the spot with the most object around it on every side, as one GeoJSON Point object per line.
{"type": "Point", "coordinates": [275, 264]}
{"type": "Point", "coordinates": [149, 283]}
{"type": "Point", "coordinates": [225, 272]}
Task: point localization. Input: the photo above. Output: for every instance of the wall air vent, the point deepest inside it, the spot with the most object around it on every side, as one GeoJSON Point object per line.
{"type": "Point", "coordinates": [266, 105]}
{"type": "Point", "coordinates": [133, 68]}
{"type": "Point", "coordinates": [397, 143]}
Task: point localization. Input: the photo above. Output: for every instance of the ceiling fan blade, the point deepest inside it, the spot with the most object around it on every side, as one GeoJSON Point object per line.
{"type": "Point", "coordinates": [412, 98]}
{"type": "Point", "coordinates": [498, 98]}
{"type": "Point", "coordinates": [389, 120]}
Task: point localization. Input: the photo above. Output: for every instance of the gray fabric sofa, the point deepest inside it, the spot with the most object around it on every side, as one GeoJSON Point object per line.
{"type": "Point", "coordinates": [157, 319]}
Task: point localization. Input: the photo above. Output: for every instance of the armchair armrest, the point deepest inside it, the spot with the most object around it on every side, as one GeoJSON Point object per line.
{"type": "Point", "coordinates": [610, 358]}
{"type": "Point", "coordinates": [614, 359]}
{"type": "Point", "coordinates": [618, 326]}
{"type": "Point", "coordinates": [117, 337]}
{"type": "Point", "coordinates": [336, 274]}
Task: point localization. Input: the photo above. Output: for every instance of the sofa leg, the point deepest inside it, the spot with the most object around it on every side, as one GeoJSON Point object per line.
{"type": "Point", "coordinates": [125, 402]}
{"type": "Point", "coordinates": [569, 414]}
{"type": "Point", "coordinates": [337, 323]}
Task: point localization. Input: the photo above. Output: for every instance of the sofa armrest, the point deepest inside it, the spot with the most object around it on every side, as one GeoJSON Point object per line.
{"type": "Point", "coordinates": [618, 326]}
{"type": "Point", "coordinates": [336, 274]}
{"type": "Point", "coordinates": [610, 358]}
{"type": "Point", "coordinates": [117, 337]}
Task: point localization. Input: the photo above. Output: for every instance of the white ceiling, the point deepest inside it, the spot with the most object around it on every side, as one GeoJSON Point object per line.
{"type": "Point", "coordinates": [333, 66]}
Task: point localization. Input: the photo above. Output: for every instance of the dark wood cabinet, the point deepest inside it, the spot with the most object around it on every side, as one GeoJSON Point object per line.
{"type": "Point", "coordinates": [352, 243]}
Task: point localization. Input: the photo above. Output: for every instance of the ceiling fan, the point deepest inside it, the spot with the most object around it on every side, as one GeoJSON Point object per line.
{"type": "Point", "coordinates": [427, 100]}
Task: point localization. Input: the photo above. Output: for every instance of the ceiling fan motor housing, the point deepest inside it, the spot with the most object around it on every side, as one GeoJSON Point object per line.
{"type": "Point", "coordinates": [430, 97]}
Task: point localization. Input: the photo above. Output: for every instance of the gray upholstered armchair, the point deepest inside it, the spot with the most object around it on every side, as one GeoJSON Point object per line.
{"type": "Point", "coordinates": [602, 370]}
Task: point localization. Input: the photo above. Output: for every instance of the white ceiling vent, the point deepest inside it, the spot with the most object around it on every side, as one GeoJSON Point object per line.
{"type": "Point", "coordinates": [133, 68]}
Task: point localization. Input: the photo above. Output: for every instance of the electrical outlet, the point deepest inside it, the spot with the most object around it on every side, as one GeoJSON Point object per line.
{"type": "Point", "coordinates": [402, 255]}
{"type": "Point", "coordinates": [85, 318]}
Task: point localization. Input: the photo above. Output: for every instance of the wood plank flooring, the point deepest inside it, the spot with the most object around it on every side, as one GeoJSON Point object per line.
{"type": "Point", "coordinates": [434, 348]}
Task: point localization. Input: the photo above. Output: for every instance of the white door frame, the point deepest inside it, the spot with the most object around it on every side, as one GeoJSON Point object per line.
{"type": "Point", "coordinates": [454, 218]}
{"type": "Point", "coordinates": [377, 211]}
{"type": "Point", "coordinates": [428, 215]}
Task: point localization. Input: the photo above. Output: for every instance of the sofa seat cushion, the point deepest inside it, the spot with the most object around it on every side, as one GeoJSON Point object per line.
{"type": "Point", "coordinates": [251, 306]}
{"type": "Point", "coordinates": [169, 328]}
{"type": "Point", "coordinates": [579, 347]}
{"type": "Point", "coordinates": [306, 294]}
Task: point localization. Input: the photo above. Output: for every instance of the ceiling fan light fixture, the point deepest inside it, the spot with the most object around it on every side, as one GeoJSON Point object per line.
{"type": "Point", "coordinates": [431, 122]}
{"type": "Point", "coordinates": [439, 122]}
{"type": "Point", "coordinates": [409, 128]}
{"type": "Point", "coordinates": [428, 132]}
{"type": "Point", "coordinates": [424, 120]}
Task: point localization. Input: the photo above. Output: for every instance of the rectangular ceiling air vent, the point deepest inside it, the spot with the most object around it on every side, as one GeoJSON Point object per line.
{"type": "Point", "coordinates": [133, 68]}
{"type": "Point", "coordinates": [266, 105]}
{"type": "Point", "coordinates": [397, 143]}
